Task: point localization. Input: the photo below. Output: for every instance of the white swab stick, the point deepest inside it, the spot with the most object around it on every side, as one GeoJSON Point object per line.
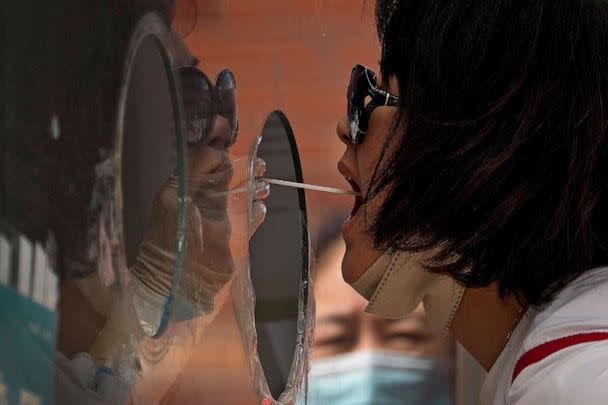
{"type": "Point", "coordinates": [324, 189]}
{"type": "Point", "coordinates": [286, 183]}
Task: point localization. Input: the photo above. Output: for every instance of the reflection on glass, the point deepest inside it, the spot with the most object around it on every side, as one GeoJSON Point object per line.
{"type": "Point", "coordinates": [204, 103]}
{"type": "Point", "coordinates": [212, 212]}
{"type": "Point", "coordinates": [185, 213]}
{"type": "Point", "coordinates": [150, 193]}
{"type": "Point", "coordinates": [215, 237]}
{"type": "Point", "coordinates": [103, 310]}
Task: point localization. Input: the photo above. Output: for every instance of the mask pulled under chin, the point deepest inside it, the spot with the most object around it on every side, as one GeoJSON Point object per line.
{"type": "Point", "coordinates": [397, 282]}
{"type": "Point", "coordinates": [380, 378]}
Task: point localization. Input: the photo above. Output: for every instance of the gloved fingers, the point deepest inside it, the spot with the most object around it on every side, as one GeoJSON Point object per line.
{"type": "Point", "coordinates": [261, 190]}
{"type": "Point", "coordinates": [259, 167]}
{"type": "Point", "coordinates": [258, 214]}
{"type": "Point", "coordinates": [241, 171]}
{"type": "Point", "coordinates": [204, 160]}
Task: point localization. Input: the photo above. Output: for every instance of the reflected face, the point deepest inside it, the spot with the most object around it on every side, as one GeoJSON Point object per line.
{"type": "Point", "coordinates": [209, 173]}
{"type": "Point", "coordinates": [357, 165]}
{"type": "Point", "coordinates": [210, 169]}
{"type": "Point", "coordinates": [342, 326]}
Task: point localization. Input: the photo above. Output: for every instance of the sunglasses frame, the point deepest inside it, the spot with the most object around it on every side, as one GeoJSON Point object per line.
{"type": "Point", "coordinates": [213, 108]}
{"type": "Point", "coordinates": [363, 84]}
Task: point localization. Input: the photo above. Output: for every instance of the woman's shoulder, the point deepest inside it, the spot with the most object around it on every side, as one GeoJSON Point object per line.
{"type": "Point", "coordinates": [575, 375]}
{"type": "Point", "coordinates": [580, 307]}
{"type": "Point", "coordinates": [564, 356]}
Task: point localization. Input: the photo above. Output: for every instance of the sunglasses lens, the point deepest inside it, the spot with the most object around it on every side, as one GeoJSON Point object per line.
{"type": "Point", "coordinates": [198, 104]}
{"type": "Point", "coordinates": [355, 101]}
{"type": "Point", "coordinates": [226, 100]}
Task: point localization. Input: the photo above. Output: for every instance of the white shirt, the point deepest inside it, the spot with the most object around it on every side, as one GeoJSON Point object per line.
{"type": "Point", "coordinates": [575, 375]}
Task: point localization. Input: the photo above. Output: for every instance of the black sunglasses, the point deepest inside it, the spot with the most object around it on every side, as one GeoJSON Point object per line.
{"type": "Point", "coordinates": [363, 97]}
{"type": "Point", "coordinates": [203, 102]}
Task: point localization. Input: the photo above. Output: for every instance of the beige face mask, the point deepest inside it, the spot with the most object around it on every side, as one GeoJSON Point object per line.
{"type": "Point", "coordinates": [396, 283]}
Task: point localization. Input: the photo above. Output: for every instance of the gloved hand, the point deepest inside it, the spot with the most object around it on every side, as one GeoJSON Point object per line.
{"type": "Point", "coordinates": [218, 227]}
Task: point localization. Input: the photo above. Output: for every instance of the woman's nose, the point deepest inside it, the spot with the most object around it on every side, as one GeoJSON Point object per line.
{"type": "Point", "coordinates": [347, 159]}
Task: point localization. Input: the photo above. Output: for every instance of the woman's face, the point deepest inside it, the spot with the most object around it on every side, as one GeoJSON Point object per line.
{"type": "Point", "coordinates": [357, 165]}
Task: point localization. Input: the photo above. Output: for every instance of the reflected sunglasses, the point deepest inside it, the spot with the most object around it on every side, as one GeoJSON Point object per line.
{"type": "Point", "coordinates": [203, 101]}
{"type": "Point", "coordinates": [363, 97]}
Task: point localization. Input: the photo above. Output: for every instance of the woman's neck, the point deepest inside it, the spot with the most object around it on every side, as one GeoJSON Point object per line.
{"type": "Point", "coordinates": [484, 322]}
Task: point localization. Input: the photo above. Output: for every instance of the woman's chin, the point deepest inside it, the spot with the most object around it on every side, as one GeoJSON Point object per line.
{"type": "Point", "coordinates": [349, 273]}
{"type": "Point", "coordinates": [357, 260]}
{"type": "Point", "coordinates": [359, 254]}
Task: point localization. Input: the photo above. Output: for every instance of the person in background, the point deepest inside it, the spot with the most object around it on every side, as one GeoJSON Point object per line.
{"type": "Point", "coordinates": [360, 358]}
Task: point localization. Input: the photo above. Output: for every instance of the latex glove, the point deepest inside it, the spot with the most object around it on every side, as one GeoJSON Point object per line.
{"type": "Point", "coordinates": [217, 231]}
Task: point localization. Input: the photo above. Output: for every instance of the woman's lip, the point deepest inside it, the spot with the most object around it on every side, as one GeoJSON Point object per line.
{"type": "Point", "coordinates": [347, 226]}
{"type": "Point", "coordinates": [344, 228]}
{"type": "Point", "coordinates": [351, 218]}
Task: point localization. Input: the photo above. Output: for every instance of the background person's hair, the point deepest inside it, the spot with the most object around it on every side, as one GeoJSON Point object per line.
{"type": "Point", "coordinates": [500, 149]}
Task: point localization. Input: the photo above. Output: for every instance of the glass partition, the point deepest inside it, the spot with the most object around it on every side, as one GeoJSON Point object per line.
{"type": "Point", "coordinates": [144, 250]}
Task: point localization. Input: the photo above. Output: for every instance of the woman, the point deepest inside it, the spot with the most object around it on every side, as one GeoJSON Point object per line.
{"type": "Point", "coordinates": [480, 150]}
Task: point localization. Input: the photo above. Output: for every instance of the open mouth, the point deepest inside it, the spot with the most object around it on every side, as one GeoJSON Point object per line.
{"type": "Point", "coordinates": [358, 198]}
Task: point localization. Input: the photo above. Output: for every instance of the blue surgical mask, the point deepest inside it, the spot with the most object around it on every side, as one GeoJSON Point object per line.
{"type": "Point", "coordinates": [378, 378]}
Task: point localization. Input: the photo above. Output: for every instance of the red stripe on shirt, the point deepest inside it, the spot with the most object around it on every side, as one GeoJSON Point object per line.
{"type": "Point", "coordinates": [546, 349]}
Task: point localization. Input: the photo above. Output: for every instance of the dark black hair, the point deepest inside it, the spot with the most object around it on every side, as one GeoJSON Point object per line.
{"type": "Point", "coordinates": [499, 152]}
